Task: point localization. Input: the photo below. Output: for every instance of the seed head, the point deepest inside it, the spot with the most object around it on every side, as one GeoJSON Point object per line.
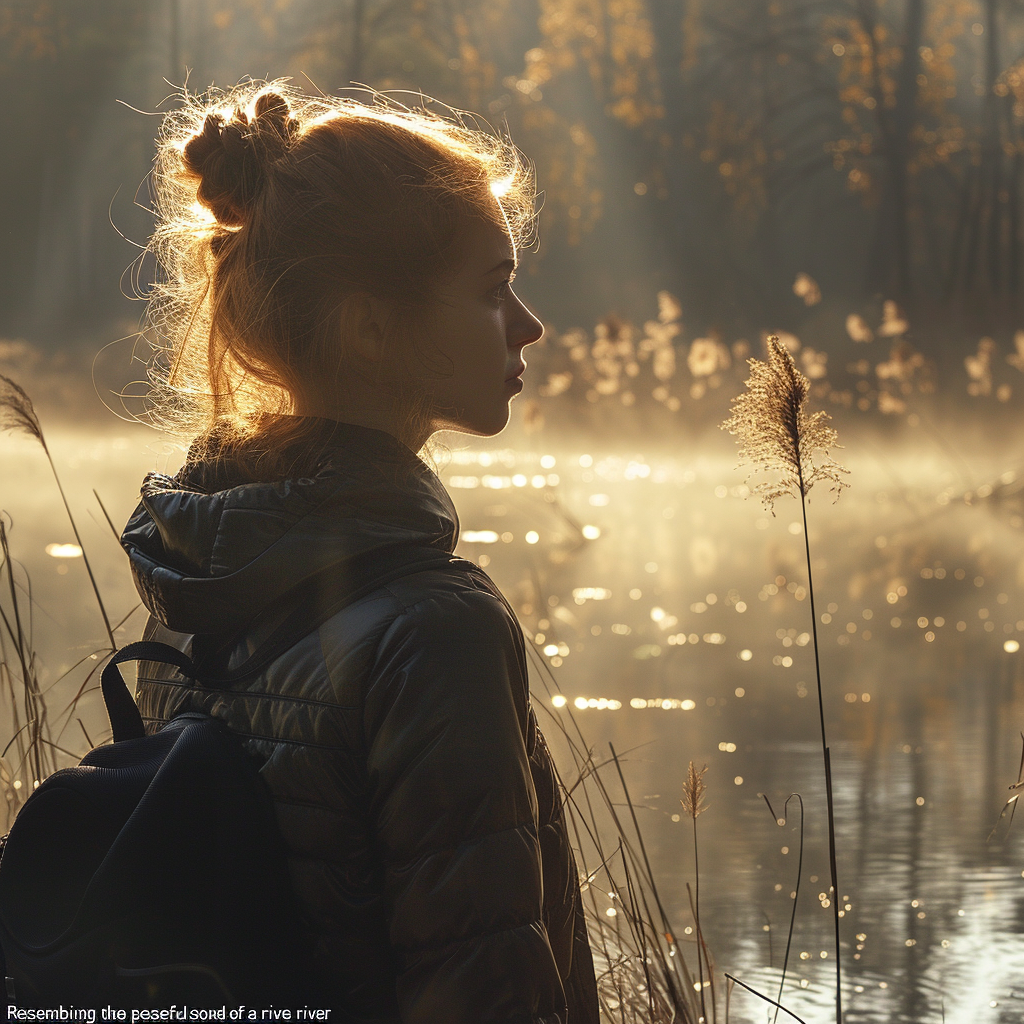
{"type": "Point", "coordinates": [693, 791]}
{"type": "Point", "coordinates": [17, 411]}
{"type": "Point", "coordinates": [777, 434]}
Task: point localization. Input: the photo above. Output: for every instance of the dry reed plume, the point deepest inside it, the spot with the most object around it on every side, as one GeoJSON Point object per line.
{"type": "Point", "coordinates": [33, 743]}
{"type": "Point", "coordinates": [778, 434]}
{"type": "Point", "coordinates": [694, 791]}
{"type": "Point", "coordinates": [17, 413]}
{"type": "Point", "coordinates": [693, 804]}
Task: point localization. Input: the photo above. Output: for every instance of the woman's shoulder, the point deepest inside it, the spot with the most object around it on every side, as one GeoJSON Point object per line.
{"type": "Point", "coordinates": [455, 599]}
{"type": "Point", "coordinates": [459, 581]}
{"type": "Point", "coordinates": [442, 637]}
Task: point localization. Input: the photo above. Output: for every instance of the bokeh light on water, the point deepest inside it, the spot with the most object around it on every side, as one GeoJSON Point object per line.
{"type": "Point", "coordinates": [673, 618]}
{"type": "Point", "coordinates": [691, 600]}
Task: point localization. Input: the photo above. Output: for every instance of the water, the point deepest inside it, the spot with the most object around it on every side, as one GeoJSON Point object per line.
{"type": "Point", "coordinates": [654, 581]}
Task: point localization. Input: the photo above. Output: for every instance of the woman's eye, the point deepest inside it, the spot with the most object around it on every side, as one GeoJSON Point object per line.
{"type": "Point", "coordinates": [503, 290]}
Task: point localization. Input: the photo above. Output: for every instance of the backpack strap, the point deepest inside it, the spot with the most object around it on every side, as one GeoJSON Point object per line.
{"type": "Point", "coordinates": [312, 609]}
{"type": "Point", "coordinates": [124, 714]}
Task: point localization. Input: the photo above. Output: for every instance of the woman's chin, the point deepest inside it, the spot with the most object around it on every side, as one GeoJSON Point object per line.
{"type": "Point", "coordinates": [484, 420]}
{"type": "Point", "coordinates": [501, 420]}
{"type": "Point", "coordinates": [483, 426]}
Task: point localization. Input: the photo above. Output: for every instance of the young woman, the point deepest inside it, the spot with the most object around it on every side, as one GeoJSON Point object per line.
{"type": "Point", "coordinates": [335, 287]}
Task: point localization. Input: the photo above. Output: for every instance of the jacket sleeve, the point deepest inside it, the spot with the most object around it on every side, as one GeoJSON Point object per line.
{"type": "Point", "coordinates": [455, 814]}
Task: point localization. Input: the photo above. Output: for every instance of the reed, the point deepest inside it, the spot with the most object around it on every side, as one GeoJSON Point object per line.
{"type": "Point", "coordinates": [35, 748]}
{"type": "Point", "coordinates": [693, 803]}
{"type": "Point", "coordinates": [1011, 803]}
{"type": "Point", "coordinates": [17, 413]}
{"type": "Point", "coordinates": [643, 977]}
{"type": "Point", "coordinates": [781, 438]}
{"type": "Point", "coordinates": [34, 751]}
{"type": "Point", "coordinates": [781, 822]}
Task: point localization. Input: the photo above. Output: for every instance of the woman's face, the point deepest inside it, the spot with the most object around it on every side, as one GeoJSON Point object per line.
{"type": "Point", "coordinates": [478, 330]}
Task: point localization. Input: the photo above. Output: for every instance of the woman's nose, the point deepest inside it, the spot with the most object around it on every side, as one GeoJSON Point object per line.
{"type": "Point", "coordinates": [528, 327]}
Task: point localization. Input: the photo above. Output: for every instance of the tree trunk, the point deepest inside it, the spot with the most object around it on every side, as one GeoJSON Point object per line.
{"type": "Point", "coordinates": [674, 224]}
{"type": "Point", "coordinates": [174, 42]}
{"type": "Point", "coordinates": [357, 51]}
{"type": "Point", "coordinates": [992, 151]}
{"type": "Point", "coordinates": [889, 269]}
{"type": "Point", "coordinates": [904, 119]}
{"type": "Point", "coordinates": [1013, 259]}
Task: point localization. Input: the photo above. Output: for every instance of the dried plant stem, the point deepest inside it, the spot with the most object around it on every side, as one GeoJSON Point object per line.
{"type": "Point", "coordinates": [18, 413]}
{"type": "Point", "coordinates": [696, 920]}
{"type": "Point", "coordinates": [106, 515]}
{"type": "Point", "coordinates": [796, 891]}
{"type": "Point", "coordinates": [1011, 804]}
{"type": "Point", "coordinates": [778, 434]}
{"type": "Point", "coordinates": [34, 710]}
{"type": "Point", "coordinates": [702, 947]}
{"type": "Point", "coordinates": [85, 557]}
{"type": "Point", "coordinates": [33, 758]}
{"type": "Point", "coordinates": [767, 999]}
{"type": "Point", "coordinates": [826, 757]}
{"type": "Point", "coordinates": [694, 791]}
{"type": "Point", "coordinates": [640, 838]}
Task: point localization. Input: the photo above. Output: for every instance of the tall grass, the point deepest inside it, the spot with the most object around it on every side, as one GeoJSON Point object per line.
{"type": "Point", "coordinates": [32, 752]}
{"type": "Point", "coordinates": [649, 972]}
{"type": "Point", "coordinates": [693, 803]}
{"type": "Point", "coordinates": [29, 755]}
{"type": "Point", "coordinates": [18, 413]}
{"type": "Point", "coordinates": [646, 975]}
{"type": "Point", "coordinates": [779, 436]}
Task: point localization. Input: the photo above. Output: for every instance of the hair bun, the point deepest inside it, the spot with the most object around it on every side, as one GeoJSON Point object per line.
{"type": "Point", "coordinates": [231, 157]}
{"type": "Point", "coordinates": [274, 118]}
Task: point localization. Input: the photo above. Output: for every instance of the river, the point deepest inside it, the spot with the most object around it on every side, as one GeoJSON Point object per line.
{"type": "Point", "coordinates": [668, 615]}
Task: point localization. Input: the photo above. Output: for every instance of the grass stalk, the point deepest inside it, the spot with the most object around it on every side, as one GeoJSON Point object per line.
{"type": "Point", "coordinates": [34, 750]}
{"type": "Point", "coordinates": [642, 976]}
{"type": "Point", "coordinates": [826, 758]}
{"type": "Point", "coordinates": [693, 804]}
{"type": "Point", "coordinates": [18, 413]}
{"type": "Point", "coordinates": [85, 557]}
{"type": "Point", "coordinates": [696, 918]}
{"type": "Point", "coordinates": [767, 999]}
{"type": "Point", "coordinates": [796, 890]}
{"type": "Point", "coordinates": [778, 434]}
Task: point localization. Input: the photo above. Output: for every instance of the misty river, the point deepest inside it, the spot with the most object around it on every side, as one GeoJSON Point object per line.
{"type": "Point", "coordinates": [667, 613]}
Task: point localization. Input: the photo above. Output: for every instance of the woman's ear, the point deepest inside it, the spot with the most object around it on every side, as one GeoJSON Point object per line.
{"type": "Point", "coordinates": [364, 325]}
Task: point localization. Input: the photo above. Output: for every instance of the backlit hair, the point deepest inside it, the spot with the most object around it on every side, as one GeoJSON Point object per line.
{"type": "Point", "coordinates": [273, 206]}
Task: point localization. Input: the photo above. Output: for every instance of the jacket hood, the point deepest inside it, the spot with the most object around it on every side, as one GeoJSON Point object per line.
{"type": "Point", "coordinates": [210, 550]}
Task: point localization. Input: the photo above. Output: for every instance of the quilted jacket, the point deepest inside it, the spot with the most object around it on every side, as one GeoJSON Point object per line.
{"type": "Point", "coordinates": [416, 795]}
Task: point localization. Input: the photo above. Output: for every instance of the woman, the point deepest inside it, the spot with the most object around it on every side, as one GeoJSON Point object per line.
{"type": "Point", "coordinates": [336, 287]}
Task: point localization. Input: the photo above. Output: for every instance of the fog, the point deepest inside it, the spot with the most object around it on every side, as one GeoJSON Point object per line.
{"type": "Point", "coordinates": [846, 177]}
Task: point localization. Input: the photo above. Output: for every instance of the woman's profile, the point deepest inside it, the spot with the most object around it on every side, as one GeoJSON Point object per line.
{"type": "Point", "coordinates": [334, 288]}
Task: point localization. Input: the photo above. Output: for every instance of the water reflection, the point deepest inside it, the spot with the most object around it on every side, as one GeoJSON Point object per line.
{"type": "Point", "coordinates": [669, 615]}
{"type": "Point", "coordinates": [701, 638]}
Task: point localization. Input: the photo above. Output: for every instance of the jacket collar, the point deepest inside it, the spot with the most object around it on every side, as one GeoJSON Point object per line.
{"type": "Point", "coordinates": [210, 550]}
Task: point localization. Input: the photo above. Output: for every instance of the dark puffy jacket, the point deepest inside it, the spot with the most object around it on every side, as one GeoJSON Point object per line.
{"type": "Point", "coordinates": [415, 792]}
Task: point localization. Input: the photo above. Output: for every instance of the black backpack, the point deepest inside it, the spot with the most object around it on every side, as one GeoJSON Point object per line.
{"type": "Point", "coordinates": [154, 873]}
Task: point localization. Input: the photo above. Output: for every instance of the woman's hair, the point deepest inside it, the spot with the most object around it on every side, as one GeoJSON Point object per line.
{"type": "Point", "coordinates": [273, 206]}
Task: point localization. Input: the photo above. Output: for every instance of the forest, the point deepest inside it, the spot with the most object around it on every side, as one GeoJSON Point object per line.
{"type": "Point", "coordinates": [723, 151]}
